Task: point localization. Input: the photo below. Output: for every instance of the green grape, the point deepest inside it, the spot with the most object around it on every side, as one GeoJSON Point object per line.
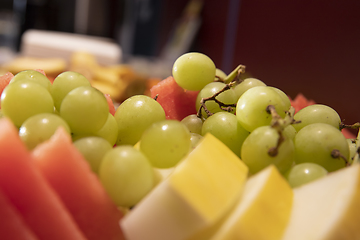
{"type": "Point", "coordinates": [255, 150]}
{"type": "Point", "coordinates": [165, 143]}
{"type": "Point", "coordinates": [192, 71]}
{"type": "Point", "coordinates": [251, 107]}
{"type": "Point", "coordinates": [317, 113]}
{"type": "Point", "coordinates": [315, 143]}
{"type": "Point", "coordinates": [284, 97]}
{"type": "Point", "coordinates": [134, 116]}
{"type": "Point", "coordinates": [219, 73]}
{"type": "Point", "coordinates": [246, 84]}
{"type": "Point", "coordinates": [126, 175]}
{"type": "Point", "coordinates": [93, 149]}
{"type": "Point", "coordinates": [64, 83]}
{"type": "Point", "coordinates": [23, 99]}
{"type": "Point", "coordinates": [290, 132]}
{"type": "Point", "coordinates": [35, 76]}
{"type": "Point", "coordinates": [303, 173]}
{"type": "Point", "coordinates": [195, 139]}
{"type": "Point", "coordinates": [85, 109]}
{"type": "Point", "coordinates": [109, 131]}
{"type": "Point", "coordinates": [227, 97]}
{"type": "Point", "coordinates": [39, 128]}
{"type": "Point", "coordinates": [352, 148]}
{"type": "Point", "coordinates": [225, 127]}
{"type": "Point", "coordinates": [193, 123]}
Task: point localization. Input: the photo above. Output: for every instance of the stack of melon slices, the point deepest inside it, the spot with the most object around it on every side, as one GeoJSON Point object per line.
{"type": "Point", "coordinates": [210, 196]}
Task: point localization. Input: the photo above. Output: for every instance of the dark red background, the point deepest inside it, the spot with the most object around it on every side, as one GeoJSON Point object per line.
{"type": "Point", "coordinates": [304, 46]}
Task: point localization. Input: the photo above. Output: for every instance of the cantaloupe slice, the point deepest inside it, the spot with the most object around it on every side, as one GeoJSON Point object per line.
{"type": "Point", "coordinates": [70, 175]}
{"type": "Point", "coordinates": [263, 210]}
{"type": "Point", "coordinates": [12, 225]}
{"type": "Point", "coordinates": [28, 191]}
{"type": "Point", "coordinates": [193, 198]}
{"type": "Point", "coordinates": [328, 208]}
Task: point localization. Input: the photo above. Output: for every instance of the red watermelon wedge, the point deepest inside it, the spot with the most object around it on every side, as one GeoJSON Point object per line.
{"type": "Point", "coordinates": [28, 191]}
{"type": "Point", "coordinates": [176, 102]}
{"type": "Point", "coordinates": [78, 187]}
{"type": "Point", "coordinates": [12, 225]}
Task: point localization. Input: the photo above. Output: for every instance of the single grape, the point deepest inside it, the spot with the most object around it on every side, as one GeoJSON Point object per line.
{"type": "Point", "coordinates": [195, 139]}
{"type": "Point", "coordinates": [192, 71]}
{"type": "Point", "coordinates": [134, 116]}
{"type": "Point", "coordinates": [352, 148]}
{"type": "Point", "coordinates": [165, 143]}
{"type": "Point", "coordinates": [64, 83]}
{"type": "Point", "coordinates": [317, 113]}
{"type": "Point", "coordinates": [193, 123]}
{"type": "Point", "coordinates": [85, 109]}
{"type": "Point", "coordinates": [23, 99]}
{"type": "Point", "coordinates": [39, 128]}
{"type": "Point", "coordinates": [227, 97]}
{"type": "Point", "coordinates": [283, 96]}
{"type": "Point", "coordinates": [316, 142]}
{"type": "Point", "coordinates": [290, 132]}
{"type": "Point", "coordinates": [255, 150]}
{"type": "Point", "coordinates": [126, 175]}
{"type": "Point", "coordinates": [251, 107]}
{"type": "Point", "coordinates": [93, 149]}
{"type": "Point", "coordinates": [303, 173]}
{"type": "Point", "coordinates": [246, 84]}
{"type": "Point", "coordinates": [225, 127]}
{"type": "Point", "coordinates": [35, 76]}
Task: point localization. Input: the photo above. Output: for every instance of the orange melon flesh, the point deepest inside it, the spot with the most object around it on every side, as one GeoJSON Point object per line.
{"type": "Point", "coordinates": [78, 187]}
{"type": "Point", "coordinates": [29, 193]}
{"type": "Point", "coordinates": [14, 227]}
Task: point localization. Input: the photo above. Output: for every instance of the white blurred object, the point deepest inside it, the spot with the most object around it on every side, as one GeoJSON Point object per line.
{"type": "Point", "coordinates": [39, 43]}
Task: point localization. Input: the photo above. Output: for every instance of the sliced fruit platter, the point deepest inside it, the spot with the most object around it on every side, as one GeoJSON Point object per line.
{"type": "Point", "coordinates": [205, 155]}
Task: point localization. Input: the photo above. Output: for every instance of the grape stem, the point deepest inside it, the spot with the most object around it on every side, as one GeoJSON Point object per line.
{"type": "Point", "coordinates": [279, 124]}
{"type": "Point", "coordinates": [234, 77]}
{"type": "Point", "coordinates": [352, 126]}
{"type": "Point", "coordinates": [337, 154]}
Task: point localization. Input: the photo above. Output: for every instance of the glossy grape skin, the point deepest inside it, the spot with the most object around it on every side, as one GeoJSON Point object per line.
{"type": "Point", "coordinates": [227, 97]}
{"type": "Point", "coordinates": [134, 116]}
{"type": "Point", "coordinates": [352, 148]}
{"type": "Point", "coordinates": [93, 149]}
{"type": "Point", "coordinates": [126, 175]}
{"type": "Point", "coordinates": [192, 71]}
{"type": "Point", "coordinates": [304, 173]}
{"type": "Point", "coordinates": [193, 123]}
{"type": "Point", "coordinates": [64, 83]}
{"type": "Point", "coordinates": [251, 107]}
{"type": "Point", "coordinates": [165, 143]}
{"type": "Point", "coordinates": [283, 96]}
{"type": "Point", "coordinates": [225, 127]}
{"type": "Point", "coordinates": [39, 128]}
{"type": "Point", "coordinates": [35, 76]}
{"type": "Point", "coordinates": [315, 142]}
{"type": "Point", "coordinates": [317, 113]}
{"type": "Point", "coordinates": [23, 99]}
{"type": "Point", "coordinates": [255, 148]}
{"type": "Point", "coordinates": [246, 84]}
{"type": "Point", "coordinates": [290, 132]}
{"type": "Point", "coordinates": [195, 139]}
{"type": "Point", "coordinates": [85, 109]}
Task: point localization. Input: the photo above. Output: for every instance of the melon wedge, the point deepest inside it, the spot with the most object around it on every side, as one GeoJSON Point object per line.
{"type": "Point", "coordinates": [70, 175]}
{"type": "Point", "coordinates": [29, 192]}
{"type": "Point", "coordinates": [192, 199]}
{"type": "Point", "coordinates": [12, 225]}
{"type": "Point", "coordinates": [328, 208]}
{"type": "Point", "coordinates": [263, 210]}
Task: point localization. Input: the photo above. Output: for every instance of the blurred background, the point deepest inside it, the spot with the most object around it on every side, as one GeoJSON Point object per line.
{"type": "Point", "coordinates": [309, 47]}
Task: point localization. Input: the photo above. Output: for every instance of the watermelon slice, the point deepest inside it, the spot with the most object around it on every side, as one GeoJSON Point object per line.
{"type": "Point", "coordinates": [28, 191]}
{"type": "Point", "coordinates": [110, 103]}
{"type": "Point", "coordinates": [71, 177]}
{"type": "Point", "coordinates": [13, 227]}
{"type": "Point", "coordinates": [176, 102]}
{"type": "Point", "coordinates": [4, 81]}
